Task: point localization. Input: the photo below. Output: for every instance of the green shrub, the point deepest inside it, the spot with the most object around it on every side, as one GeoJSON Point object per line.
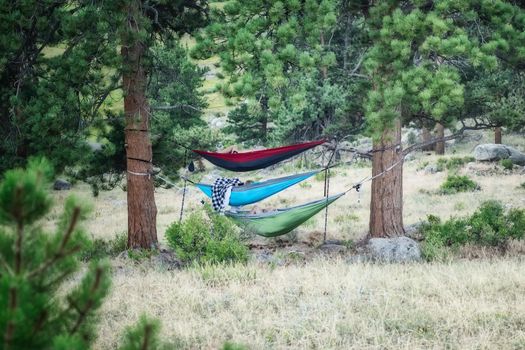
{"type": "Point", "coordinates": [441, 164]}
{"type": "Point", "coordinates": [411, 138]}
{"type": "Point", "coordinates": [522, 185]}
{"type": "Point", "coordinates": [453, 163]}
{"type": "Point", "coordinates": [458, 183]}
{"type": "Point", "coordinates": [507, 164]}
{"type": "Point", "coordinates": [101, 248]}
{"type": "Point", "coordinates": [205, 237]}
{"type": "Point", "coordinates": [457, 162]}
{"type": "Point", "coordinates": [320, 175]}
{"type": "Point", "coordinates": [489, 225]}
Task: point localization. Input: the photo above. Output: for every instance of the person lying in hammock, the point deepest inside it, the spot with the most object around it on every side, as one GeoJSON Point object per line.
{"type": "Point", "coordinates": [258, 210]}
{"type": "Point", "coordinates": [230, 149]}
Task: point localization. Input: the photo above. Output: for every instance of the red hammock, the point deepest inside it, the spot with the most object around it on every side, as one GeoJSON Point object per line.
{"type": "Point", "coordinates": [255, 160]}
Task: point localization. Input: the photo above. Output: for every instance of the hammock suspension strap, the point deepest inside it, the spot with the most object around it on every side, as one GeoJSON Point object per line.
{"type": "Point", "coordinates": [327, 190]}
{"type": "Point", "coordinates": [184, 188]}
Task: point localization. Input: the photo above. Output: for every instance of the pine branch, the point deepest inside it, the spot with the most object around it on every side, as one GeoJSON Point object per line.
{"type": "Point", "coordinates": [6, 265]}
{"type": "Point", "coordinates": [147, 334]}
{"type": "Point", "coordinates": [90, 302]}
{"type": "Point", "coordinates": [477, 126]}
{"type": "Point", "coordinates": [10, 329]}
{"type": "Point", "coordinates": [61, 250]}
{"type": "Point", "coordinates": [13, 291]}
{"type": "Point", "coordinates": [19, 229]}
{"type": "Point", "coordinates": [40, 322]}
{"type": "Point", "coordinates": [412, 148]}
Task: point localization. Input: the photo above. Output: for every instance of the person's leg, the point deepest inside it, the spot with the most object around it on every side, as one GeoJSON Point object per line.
{"type": "Point", "coordinates": [227, 196]}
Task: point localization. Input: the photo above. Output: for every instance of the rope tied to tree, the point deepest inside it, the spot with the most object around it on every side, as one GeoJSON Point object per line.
{"type": "Point", "coordinates": [140, 174]}
{"type": "Point", "coordinates": [184, 188]}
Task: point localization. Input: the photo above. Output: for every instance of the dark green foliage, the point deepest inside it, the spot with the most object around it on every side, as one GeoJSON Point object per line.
{"type": "Point", "coordinates": [248, 125]}
{"type": "Point", "coordinates": [104, 168]}
{"type": "Point", "coordinates": [177, 107]}
{"type": "Point", "coordinates": [233, 346]}
{"type": "Point", "coordinates": [100, 248]}
{"type": "Point", "coordinates": [490, 225]}
{"type": "Point", "coordinates": [60, 69]}
{"type": "Point", "coordinates": [507, 164]}
{"type": "Point", "coordinates": [143, 335]}
{"type": "Point", "coordinates": [37, 311]}
{"type": "Point", "coordinates": [51, 78]}
{"type": "Point", "coordinates": [453, 163]}
{"type": "Point", "coordinates": [206, 237]}
{"type": "Point", "coordinates": [522, 185]}
{"type": "Point", "coordinates": [497, 98]}
{"type": "Point", "coordinates": [34, 264]}
{"type": "Point", "coordinates": [421, 56]}
{"type": "Point", "coordinates": [458, 183]}
{"type": "Point", "coordinates": [411, 138]}
{"type": "Point", "coordinates": [276, 57]}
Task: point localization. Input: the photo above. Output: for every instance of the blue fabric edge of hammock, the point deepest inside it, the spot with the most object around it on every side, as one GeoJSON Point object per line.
{"type": "Point", "coordinates": [239, 193]}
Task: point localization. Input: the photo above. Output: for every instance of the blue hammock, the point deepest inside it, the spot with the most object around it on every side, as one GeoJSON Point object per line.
{"type": "Point", "coordinates": [257, 191]}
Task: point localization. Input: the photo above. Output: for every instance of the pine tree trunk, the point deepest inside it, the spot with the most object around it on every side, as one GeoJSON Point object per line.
{"type": "Point", "coordinates": [440, 133]}
{"type": "Point", "coordinates": [425, 135]}
{"type": "Point", "coordinates": [264, 122]}
{"type": "Point", "coordinates": [497, 135]}
{"type": "Point", "coordinates": [142, 211]}
{"type": "Point", "coordinates": [386, 206]}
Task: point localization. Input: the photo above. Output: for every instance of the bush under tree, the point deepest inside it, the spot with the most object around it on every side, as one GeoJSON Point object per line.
{"type": "Point", "coordinates": [206, 237]}
{"type": "Point", "coordinates": [458, 183]}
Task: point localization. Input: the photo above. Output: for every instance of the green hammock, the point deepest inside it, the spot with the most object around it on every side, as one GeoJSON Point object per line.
{"type": "Point", "coordinates": [280, 221]}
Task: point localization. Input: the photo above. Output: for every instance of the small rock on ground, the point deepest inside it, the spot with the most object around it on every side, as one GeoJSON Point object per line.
{"type": "Point", "coordinates": [331, 248]}
{"type": "Point", "coordinates": [61, 185]}
{"type": "Point", "coordinates": [398, 250]}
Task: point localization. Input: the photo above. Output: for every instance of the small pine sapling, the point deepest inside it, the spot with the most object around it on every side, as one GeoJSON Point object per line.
{"type": "Point", "coordinates": [35, 263]}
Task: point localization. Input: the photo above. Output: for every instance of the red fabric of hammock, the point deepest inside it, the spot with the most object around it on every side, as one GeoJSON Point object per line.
{"type": "Point", "coordinates": [253, 160]}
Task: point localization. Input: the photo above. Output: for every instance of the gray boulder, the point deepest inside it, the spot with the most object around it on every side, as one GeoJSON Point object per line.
{"type": "Point", "coordinates": [61, 185]}
{"type": "Point", "coordinates": [493, 152]}
{"type": "Point", "coordinates": [398, 250]}
{"type": "Point", "coordinates": [431, 169]}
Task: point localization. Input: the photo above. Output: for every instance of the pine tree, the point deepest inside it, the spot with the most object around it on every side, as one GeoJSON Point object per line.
{"type": "Point", "coordinates": [415, 65]}
{"type": "Point", "coordinates": [55, 73]}
{"type": "Point", "coordinates": [178, 105]}
{"type": "Point", "coordinates": [260, 45]}
{"type": "Point", "coordinates": [141, 21]}
{"type": "Point", "coordinates": [39, 307]}
{"type": "Point", "coordinates": [34, 264]}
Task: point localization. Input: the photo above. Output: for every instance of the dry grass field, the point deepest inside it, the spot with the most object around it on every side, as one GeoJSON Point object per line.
{"type": "Point", "coordinates": [325, 302]}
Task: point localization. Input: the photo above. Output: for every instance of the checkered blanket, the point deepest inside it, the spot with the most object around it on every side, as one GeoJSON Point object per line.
{"type": "Point", "coordinates": [219, 192]}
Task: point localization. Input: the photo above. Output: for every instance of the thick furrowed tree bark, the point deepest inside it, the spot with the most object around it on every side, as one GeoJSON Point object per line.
{"type": "Point", "coordinates": [386, 205]}
{"type": "Point", "coordinates": [142, 211]}
{"type": "Point", "coordinates": [497, 135]}
{"type": "Point", "coordinates": [425, 135]}
{"type": "Point", "coordinates": [440, 133]}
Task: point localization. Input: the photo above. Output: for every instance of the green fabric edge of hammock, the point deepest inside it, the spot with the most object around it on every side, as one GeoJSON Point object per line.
{"type": "Point", "coordinates": [281, 221]}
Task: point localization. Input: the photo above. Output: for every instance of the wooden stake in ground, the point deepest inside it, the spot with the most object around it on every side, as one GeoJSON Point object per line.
{"type": "Point", "coordinates": [142, 211]}
{"type": "Point", "coordinates": [386, 202]}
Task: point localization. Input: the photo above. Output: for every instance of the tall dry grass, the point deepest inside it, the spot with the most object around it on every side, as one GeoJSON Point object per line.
{"type": "Point", "coordinates": [327, 304]}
